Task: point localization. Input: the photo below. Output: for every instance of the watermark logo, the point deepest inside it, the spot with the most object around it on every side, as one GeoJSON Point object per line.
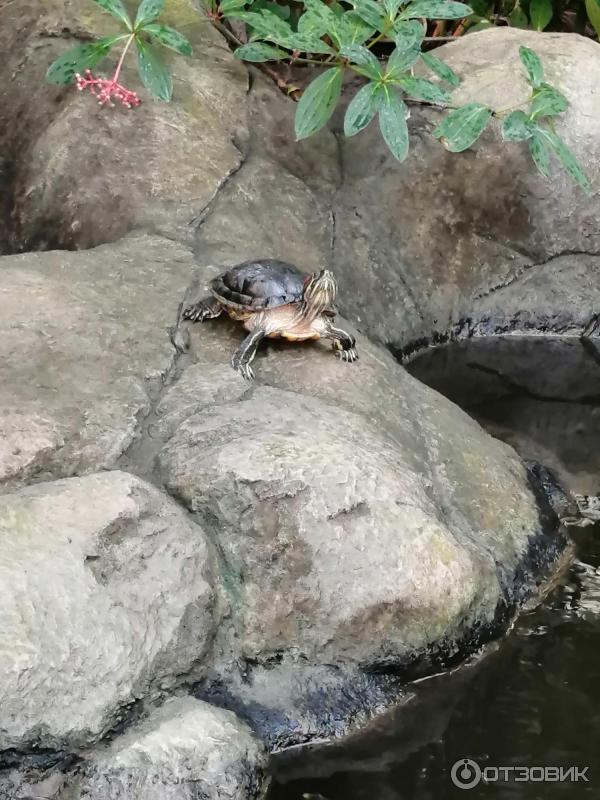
{"type": "Point", "coordinates": [466, 774]}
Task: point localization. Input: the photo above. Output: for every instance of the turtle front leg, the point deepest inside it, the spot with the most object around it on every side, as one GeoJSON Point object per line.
{"type": "Point", "coordinates": [207, 308]}
{"type": "Point", "coordinates": [242, 358]}
{"type": "Point", "coordinates": [342, 342]}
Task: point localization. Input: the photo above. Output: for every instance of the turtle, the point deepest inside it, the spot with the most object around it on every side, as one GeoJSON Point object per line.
{"type": "Point", "coordinates": [274, 299]}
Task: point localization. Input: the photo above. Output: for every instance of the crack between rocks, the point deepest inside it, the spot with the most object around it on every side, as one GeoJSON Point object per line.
{"type": "Point", "coordinates": [526, 268]}
{"type": "Point", "coordinates": [206, 210]}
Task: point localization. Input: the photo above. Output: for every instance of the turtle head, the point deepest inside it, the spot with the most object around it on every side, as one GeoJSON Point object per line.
{"type": "Point", "coordinates": [320, 290]}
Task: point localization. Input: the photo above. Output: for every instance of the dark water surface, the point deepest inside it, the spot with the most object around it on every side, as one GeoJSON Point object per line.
{"type": "Point", "coordinates": [533, 698]}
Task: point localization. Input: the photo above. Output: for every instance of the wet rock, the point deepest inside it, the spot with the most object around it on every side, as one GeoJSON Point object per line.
{"type": "Point", "coordinates": [108, 600]}
{"type": "Point", "coordinates": [84, 346]}
{"type": "Point", "coordinates": [186, 750]}
{"type": "Point", "coordinates": [558, 296]}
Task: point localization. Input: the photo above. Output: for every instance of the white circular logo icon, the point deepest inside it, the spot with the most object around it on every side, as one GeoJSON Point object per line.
{"type": "Point", "coordinates": [465, 773]}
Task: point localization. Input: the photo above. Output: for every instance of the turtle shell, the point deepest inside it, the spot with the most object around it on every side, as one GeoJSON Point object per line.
{"type": "Point", "coordinates": [255, 285]}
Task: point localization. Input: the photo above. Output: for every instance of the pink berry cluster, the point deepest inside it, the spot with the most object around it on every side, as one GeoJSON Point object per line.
{"type": "Point", "coordinates": [107, 89]}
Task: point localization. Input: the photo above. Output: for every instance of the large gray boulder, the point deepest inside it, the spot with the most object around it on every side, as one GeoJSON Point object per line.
{"type": "Point", "coordinates": [346, 498]}
{"type": "Point", "coordinates": [107, 600]}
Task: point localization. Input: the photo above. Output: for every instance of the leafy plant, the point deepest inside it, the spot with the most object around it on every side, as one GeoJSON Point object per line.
{"type": "Point", "coordinates": [564, 15]}
{"type": "Point", "coordinates": [77, 64]}
{"type": "Point", "coordinates": [342, 39]}
{"type": "Point", "coordinates": [462, 127]}
{"type": "Point", "coordinates": [537, 126]}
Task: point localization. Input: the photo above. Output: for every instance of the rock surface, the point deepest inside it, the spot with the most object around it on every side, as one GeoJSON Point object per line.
{"type": "Point", "coordinates": [84, 346]}
{"type": "Point", "coordinates": [186, 750]}
{"type": "Point", "coordinates": [108, 599]}
{"type": "Point", "coordinates": [560, 296]}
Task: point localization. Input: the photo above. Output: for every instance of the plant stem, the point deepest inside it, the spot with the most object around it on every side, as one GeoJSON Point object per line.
{"type": "Point", "coordinates": [226, 32]}
{"type": "Point", "coordinates": [516, 107]}
{"type": "Point", "coordinates": [123, 54]}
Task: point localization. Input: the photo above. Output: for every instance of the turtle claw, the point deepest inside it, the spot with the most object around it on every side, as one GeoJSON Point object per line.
{"type": "Point", "coordinates": [206, 308]}
{"type": "Point", "coordinates": [349, 356]}
{"type": "Point", "coordinates": [194, 313]}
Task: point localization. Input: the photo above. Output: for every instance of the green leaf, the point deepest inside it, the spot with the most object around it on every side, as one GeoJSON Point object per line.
{"type": "Point", "coordinates": [392, 123]}
{"type": "Point", "coordinates": [312, 24]}
{"type": "Point", "coordinates": [229, 7]}
{"type": "Point", "coordinates": [593, 11]}
{"type": "Point", "coordinates": [170, 38]}
{"type": "Point", "coordinates": [482, 7]}
{"type": "Point", "coordinates": [441, 69]}
{"type": "Point", "coordinates": [421, 89]}
{"type": "Point", "coordinates": [566, 157]}
{"type": "Point", "coordinates": [319, 16]}
{"type": "Point", "coordinates": [540, 154]}
{"type": "Point", "coordinates": [260, 51]}
{"type": "Point", "coordinates": [318, 102]}
{"type": "Point", "coordinates": [371, 12]}
{"type": "Point", "coordinates": [463, 127]}
{"type": "Point", "coordinates": [541, 13]}
{"type": "Point", "coordinates": [533, 65]}
{"type": "Point", "coordinates": [306, 44]}
{"type": "Point", "coordinates": [266, 25]}
{"type": "Point", "coordinates": [78, 59]}
{"type": "Point", "coordinates": [391, 7]}
{"type": "Point", "coordinates": [154, 74]}
{"type": "Point", "coordinates": [518, 18]}
{"type": "Point", "coordinates": [548, 101]}
{"type": "Point", "coordinates": [409, 34]}
{"type": "Point", "coordinates": [350, 28]}
{"type": "Point", "coordinates": [400, 61]}
{"type": "Point", "coordinates": [436, 9]}
{"type": "Point", "coordinates": [518, 127]}
{"type": "Point", "coordinates": [283, 12]}
{"type": "Point", "coordinates": [362, 108]}
{"type": "Point", "coordinates": [148, 11]}
{"type": "Point", "coordinates": [117, 9]}
{"type": "Point", "coordinates": [364, 58]}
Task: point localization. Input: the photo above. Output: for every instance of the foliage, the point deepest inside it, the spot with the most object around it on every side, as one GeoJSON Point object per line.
{"type": "Point", "coordinates": [343, 39]}
{"type": "Point", "coordinates": [569, 15]}
{"type": "Point", "coordinates": [379, 40]}
{"type": "Point", "coordinates": [154, 74]}
{"type": "Point", "coordinates": [462, 127]}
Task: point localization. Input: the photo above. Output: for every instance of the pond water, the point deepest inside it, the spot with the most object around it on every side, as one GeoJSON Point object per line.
{"type": "Point", "coordinates": [532, 699]}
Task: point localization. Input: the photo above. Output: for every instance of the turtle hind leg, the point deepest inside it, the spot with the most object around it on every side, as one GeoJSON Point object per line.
{"type": "Point", "coordinates": [242, 358]}
{"type": "Point", "coordinates": [342, 342]}
{"type": "Point", "coordinates": [207, 308]}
